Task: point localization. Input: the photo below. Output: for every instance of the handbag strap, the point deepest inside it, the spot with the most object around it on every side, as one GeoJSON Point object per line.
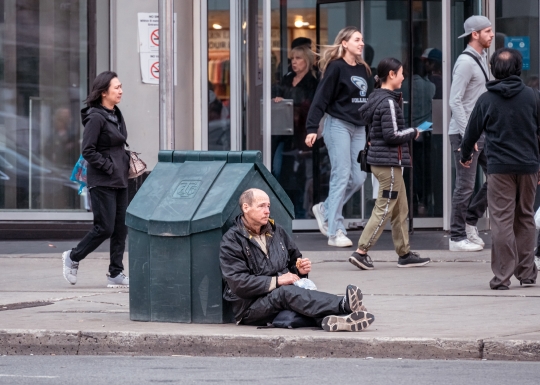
{"type": "Point", "coordinates": [478, 62]}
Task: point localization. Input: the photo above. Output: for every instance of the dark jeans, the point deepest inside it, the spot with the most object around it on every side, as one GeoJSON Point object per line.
{"type": "Point", "coordinates": [465, 210]}
{"type": "Point", "coordinates": [511, 199]}
{"type": "Point", "coordinates": [311, 303]}
{"type": "Point", "coordinates": [109, 207]}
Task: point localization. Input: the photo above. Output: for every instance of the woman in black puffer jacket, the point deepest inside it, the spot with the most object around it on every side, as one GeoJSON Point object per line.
{"type": "Point", "coordinates": [388, 153]}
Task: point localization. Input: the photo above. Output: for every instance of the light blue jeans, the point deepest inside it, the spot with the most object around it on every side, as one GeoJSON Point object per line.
{"type": "Point", "coordinates": [343, 141]}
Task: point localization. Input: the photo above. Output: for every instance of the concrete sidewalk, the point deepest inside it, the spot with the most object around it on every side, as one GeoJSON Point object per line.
{"type": "Point", "coordinates": [444, 310]}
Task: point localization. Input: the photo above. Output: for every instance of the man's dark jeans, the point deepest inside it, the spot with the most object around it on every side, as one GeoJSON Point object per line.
{"type": "Point", "coordinates": [109, 206]}
{"type": "Point", "coordinates": [465, 210]}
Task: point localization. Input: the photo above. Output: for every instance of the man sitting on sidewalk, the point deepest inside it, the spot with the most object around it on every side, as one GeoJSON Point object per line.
{"type": "Point", "coordinates": [260, 264]}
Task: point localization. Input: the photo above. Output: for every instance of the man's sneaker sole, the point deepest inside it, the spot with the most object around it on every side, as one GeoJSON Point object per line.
{"type": "Point", "coordinates": [359, 264]}
{"type": "Point", "coordinates": [64, 255]}
{"type": "Point", "coordinates": [414, 264]}
{"type": "Point", "coordinates": [320, 220]}
{"type": "Point", "coordinates": [354, 298]}
{"type": "Point", "coordinates": [354, 322]}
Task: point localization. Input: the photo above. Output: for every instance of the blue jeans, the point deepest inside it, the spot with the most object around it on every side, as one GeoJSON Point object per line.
{"type": "Point", "coordinates": [464, 210]}
{"type": "Point", "coordinates": [343, 141]}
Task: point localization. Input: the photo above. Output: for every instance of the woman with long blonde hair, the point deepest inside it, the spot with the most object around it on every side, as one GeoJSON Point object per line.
{"type": "Point", "coordinates": [342, 90]}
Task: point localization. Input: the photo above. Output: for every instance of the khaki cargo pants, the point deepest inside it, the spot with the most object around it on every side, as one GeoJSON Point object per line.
{"type": "Point", "coordinates": [391, 204]}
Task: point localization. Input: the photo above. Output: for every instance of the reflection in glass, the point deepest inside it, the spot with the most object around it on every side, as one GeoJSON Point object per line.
{"type": "Point", "coordinates": [43, 80]}
{"type": "Point", "coordinates": [219, 75]}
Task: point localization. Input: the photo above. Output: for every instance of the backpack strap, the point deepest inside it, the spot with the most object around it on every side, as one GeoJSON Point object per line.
{"type": "Point", "coordinates": [478, 62]}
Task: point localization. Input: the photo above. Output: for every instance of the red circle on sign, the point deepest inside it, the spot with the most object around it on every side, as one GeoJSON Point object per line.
{"type": "Point", "coordinates": [154, 70]}
{"type": "Point", "coordinates": [154, 37]}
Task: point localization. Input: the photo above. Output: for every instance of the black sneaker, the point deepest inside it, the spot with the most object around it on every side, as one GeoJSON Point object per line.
{"type": "Point", "coordinates": [353, 300]}
{"type": "Point", "coordinates": [412, 260]}
{"type": "Point", "coordinates": [362, 261]}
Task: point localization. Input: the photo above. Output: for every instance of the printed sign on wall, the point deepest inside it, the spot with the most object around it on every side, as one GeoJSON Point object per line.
{"type": "Point", "coordinates": [148, 37]}
{"type": "Point", "coordinates": [523, 45]}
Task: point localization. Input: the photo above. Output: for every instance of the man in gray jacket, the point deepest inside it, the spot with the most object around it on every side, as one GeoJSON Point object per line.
{"type": "Point", "coordinates": [468, 83]}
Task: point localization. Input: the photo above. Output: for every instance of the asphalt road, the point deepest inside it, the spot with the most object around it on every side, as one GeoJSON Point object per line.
{"type": "Point", "coordinates": [81, 370]}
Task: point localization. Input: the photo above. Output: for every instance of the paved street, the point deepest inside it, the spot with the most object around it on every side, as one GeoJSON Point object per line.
{"type": "Point", "coordinates": [444, 310]}
{"type": "Point", "coordinates": [62, 370]}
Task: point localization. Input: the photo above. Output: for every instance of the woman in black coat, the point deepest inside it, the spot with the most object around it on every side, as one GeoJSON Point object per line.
{"type": "Point", "coordinates": [103, 147]}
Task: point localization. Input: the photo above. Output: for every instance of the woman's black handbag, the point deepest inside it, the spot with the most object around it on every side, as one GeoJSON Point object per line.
{"type": "Point", "coordinates": [363, 154]}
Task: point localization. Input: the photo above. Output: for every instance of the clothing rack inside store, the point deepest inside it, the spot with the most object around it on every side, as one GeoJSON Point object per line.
{"type": "Point", "coordinates": [219, 72]}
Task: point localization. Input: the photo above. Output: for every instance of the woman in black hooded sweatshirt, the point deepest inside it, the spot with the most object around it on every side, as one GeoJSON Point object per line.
{"type": "Point", "coordinates": [388, 153]}
{"type": "Point", "coordinates": [103, 147]}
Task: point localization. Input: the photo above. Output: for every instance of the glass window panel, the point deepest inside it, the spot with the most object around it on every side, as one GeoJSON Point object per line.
{"type": "Point", "coordinates": [219, 75]}
{"type": "Point", "coordinates": [43, 81]}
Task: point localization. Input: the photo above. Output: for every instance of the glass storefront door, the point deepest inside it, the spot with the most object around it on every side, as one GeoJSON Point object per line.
{"type": "Point", "coordinates": [407, 30]}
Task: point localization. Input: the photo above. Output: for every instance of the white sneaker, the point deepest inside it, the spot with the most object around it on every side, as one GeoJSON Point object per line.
{"type": "Point", "coordinates": [119, 281]}
{"type": "Point", "coordinates": [464, 245]}
{"type": "Point", "coordinates": [472, 235]}
{"type": "Point", "coordinates": [537, 262]}
{"type": "Point", "coordinates": [318, 211]}
{"type": "Point", "coordinates": [69, 267]}
{"type": "Point", "coordinates": [340, 240]}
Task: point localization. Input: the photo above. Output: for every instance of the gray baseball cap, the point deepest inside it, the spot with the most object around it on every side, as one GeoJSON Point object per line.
{"type": "Point", "coordinates": [474, 24]}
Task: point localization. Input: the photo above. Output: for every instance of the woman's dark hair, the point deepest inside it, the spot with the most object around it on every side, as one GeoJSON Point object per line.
{"type": "Point", "coordinates": [384, 68]}
{"type": "Point", "coordinates": [101, 84]}
{"type": "Point", "coordinates": [506, 62]}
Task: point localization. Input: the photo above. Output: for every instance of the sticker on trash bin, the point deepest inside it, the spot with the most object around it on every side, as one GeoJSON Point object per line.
{"type": "Point", "coordinates": [187, 189]}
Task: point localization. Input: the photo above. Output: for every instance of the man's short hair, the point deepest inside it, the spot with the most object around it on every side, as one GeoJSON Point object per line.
{"type": "Point", "coordinates": [506, 62]}
{"type": "Point", "coordinates": [246, 197]}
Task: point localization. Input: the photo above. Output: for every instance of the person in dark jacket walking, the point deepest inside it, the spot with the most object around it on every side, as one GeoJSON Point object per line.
{"type": "Point", "coordinates": [342, 90]}
{"type": "Point", "coordinates": [103, 147]}
{"type": "Point", "coordinates": [508, 115]}
{"type": "Point", "coordinates": [388, 153]}
{"type": "Point", "coordinates": [260, 264]}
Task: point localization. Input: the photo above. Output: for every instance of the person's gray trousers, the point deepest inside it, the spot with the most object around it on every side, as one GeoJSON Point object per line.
{"type": "Point", "coordinates": [511, 201]}
{"type": "Point", "coordinates": [465, 210]}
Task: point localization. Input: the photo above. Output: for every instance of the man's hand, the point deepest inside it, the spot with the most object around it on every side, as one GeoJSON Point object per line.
{"type": "Point", "coordinates": [305, 266]}
{"type": "Point", "coordinates": [310, 139]}
{"type": "Point", "coordinates": [476, 147]}
{"type": "Point", "coordinates": [278, 99]}
{"type": "Point", "coordinates": [287, 279]}
{"type": "Point", "coordinates": [467, 164]}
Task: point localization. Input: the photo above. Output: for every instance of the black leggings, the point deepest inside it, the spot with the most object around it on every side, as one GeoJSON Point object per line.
{"type": "Point", "coordinates": [109, 207]}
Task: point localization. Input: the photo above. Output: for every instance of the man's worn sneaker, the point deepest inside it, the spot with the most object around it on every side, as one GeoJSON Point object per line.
{"type": "Point", "coordinates": [119, 281]}
{"type": "Point", "coordinates": [70, 268]}
{"type": "Point", "coordinates": [464, 245]}
{"type": "Point", "coordinates": [412, 260]}
{"type": "Point", "coordinates": [318, 212]}
{"type": "Point", "coordinates": [362, 261]}
{"type": "Point", "coordinates": [473, 236]}
{"type": "Point", "coordinates": [354, 322]}
{"type": "Point", "coordinates": [537, 262]}
{"type": "Point", "coordinates": [353, 300]}
{"type": "Point", "coordinates": [340, 240]}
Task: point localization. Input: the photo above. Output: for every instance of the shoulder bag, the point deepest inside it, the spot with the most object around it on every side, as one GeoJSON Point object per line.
{"type": "Point", "coordinates": [136, 165]}
{"type": "Point", "coordinates": [363, 154]}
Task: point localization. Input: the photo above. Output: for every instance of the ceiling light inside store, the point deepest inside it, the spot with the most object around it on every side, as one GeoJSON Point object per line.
{"type": "Point", "coordinates": [299, 22]}
{"type": "Point", "coordinates": [217, 26]}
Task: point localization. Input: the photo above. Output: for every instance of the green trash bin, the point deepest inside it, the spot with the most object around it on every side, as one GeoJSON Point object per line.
{"type": "Point", "coordinates": [175, 224]}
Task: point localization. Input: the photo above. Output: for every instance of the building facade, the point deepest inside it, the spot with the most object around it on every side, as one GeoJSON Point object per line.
{"type": "Point", "coordinates": [231, 57]}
